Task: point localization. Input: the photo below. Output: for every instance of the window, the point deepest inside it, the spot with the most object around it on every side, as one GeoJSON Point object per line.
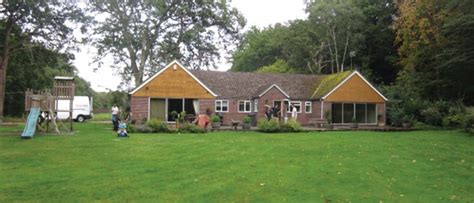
{"type": "Point", "coordinates": [255, 108]}
{"type": "Point", "coordinates": [244, 106]}
{"type": "Point", "coordinates": [308, 107]}
{"type": "Point", "coordinates": [337, 113]}
{"type": "Point", "coordinates": [344, 113]}
{"type": "Point", "coordinates": [297, 105]}
{"type": "Point", "coordinates": [348, 113]}
{"type": "Point", "coordinates": [222, 106]}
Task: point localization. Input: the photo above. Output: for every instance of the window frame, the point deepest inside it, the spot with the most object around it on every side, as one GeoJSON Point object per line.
{"type": "Point", "coordinates": [288, 110]}
{"type": "Point", "coordinates": [221, 101]}
{"type": "Point", "coordinates": [247, 103]}
{"type": "Point", "coordinates": [354, 111]}
{"type": "Point", "coordinates": [310, 107]}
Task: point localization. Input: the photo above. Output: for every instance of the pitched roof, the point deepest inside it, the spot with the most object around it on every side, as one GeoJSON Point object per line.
{"type": "Point", "coordinates": [245, 85]}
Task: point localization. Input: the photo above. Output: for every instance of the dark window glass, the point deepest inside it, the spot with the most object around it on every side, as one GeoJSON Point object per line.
{"type": "Point", "coordinates": [360, 113]}
{"type": "Point", "coordinates": [348, 113]}
{"type": "Point", "coordinates": [371, 113]}
{"type": "Point", "coordinates": [336, 113]}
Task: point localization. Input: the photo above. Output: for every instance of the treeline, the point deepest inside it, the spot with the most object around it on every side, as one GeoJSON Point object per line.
{"type": "Point", "coordinates": [425, 47]}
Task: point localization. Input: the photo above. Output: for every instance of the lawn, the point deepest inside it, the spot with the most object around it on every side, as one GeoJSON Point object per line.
{"type": "Point", "coordinates": [423, 166]}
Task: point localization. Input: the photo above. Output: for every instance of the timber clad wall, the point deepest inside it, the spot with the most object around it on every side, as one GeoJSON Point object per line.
{"type": "Point", "coordinates": [139, 107]}
{"type": "Point", "coordinates": [355, 90]}
{"type": "Point", "coordinates": [174, 83]}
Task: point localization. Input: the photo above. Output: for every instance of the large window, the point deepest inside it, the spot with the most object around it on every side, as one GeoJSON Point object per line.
{"type": "Point", "coordinates": [350, 113]}
{"type": "Point", "coordinates": [244, 106]}
{"type": "Point", "coordinates": [308, 107]}
{"type": "Point", "coordinates": [222, 106]}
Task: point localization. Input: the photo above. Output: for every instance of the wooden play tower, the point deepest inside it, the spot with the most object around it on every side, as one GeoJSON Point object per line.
{"type": "Point", "coordinates": [47, 103]}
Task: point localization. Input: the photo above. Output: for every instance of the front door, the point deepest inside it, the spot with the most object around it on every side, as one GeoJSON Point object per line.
{"type": "Point", "coordinates": [158, 109]}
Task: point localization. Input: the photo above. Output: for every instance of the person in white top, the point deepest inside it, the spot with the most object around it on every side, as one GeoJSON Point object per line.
{"type": "Point", "coordinates": [115, 117]}
{"type": "Point", "coordinates": [294, 112]}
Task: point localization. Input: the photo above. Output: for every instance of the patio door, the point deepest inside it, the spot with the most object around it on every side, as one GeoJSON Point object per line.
{"type": "Point", "coordinates": [158, 109]}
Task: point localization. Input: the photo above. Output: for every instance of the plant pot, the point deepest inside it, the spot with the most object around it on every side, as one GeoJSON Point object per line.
{"type": "Point", "coordinates": [354, 125]}
{"type": "Point", "coordinates": [216, 125]}
{"type": "Point", "coordinates": [245, 126]}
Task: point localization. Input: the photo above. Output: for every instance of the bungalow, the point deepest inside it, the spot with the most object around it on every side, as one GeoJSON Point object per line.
{"type": "Point", "coordinates": [344, 96]}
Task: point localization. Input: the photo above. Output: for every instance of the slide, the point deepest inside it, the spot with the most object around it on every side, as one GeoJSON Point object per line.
{"type": "Point", "coordinates": [30, 126]}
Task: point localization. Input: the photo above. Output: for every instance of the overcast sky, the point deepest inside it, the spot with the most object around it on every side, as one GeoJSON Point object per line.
{"type": "Point", "coordinates": [260, 13]}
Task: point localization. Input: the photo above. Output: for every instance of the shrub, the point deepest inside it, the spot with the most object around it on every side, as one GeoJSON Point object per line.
{"type": "Point", "coordinates": [143, 129]}
{"type": "Point", "coordinates": [157, 126]}
{"type": "Point", "coordinates": [468, 123]}
{"type": "Point", "coordinates": [291, 126]}
{"type": "Point", "coordinates": [191, 128]}
{"type": "Point", "coordinates": [270, 126]}
{"type": "Point", "coordinates": [455, 120]}
{"type": "Point", "coordinates": [215, 119]}
{"type": "Point", "coordinates": [247, 120]}
{"type": "Point", "coordinates": [432, 116]}
{"type": "Point", "coordinates": [131, 128]}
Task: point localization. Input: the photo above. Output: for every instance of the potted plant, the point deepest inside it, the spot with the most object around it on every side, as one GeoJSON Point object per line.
{"type": "Point", "coordinates": [354, 123]}
{"type": "Point", "coordinates": [246, 123]}
{"type": "Point", "coordinates": [328, 117]}
{"type": "Point", "coordinates": [216, 122]}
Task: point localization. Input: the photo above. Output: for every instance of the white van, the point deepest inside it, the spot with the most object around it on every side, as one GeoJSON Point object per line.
{"type": "Point", "coordinates": [81, 108]}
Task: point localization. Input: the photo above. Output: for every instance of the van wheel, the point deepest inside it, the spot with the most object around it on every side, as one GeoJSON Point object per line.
{"type": "Point", "coordinates": [80, 119]}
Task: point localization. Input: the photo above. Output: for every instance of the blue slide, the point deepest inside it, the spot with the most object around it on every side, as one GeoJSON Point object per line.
{"type": "Point", "coordinates": [30, 127]}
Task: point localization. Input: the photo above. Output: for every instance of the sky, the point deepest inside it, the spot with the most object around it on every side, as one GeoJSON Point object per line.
{"type": "Point", "coordinates": [260, 13]}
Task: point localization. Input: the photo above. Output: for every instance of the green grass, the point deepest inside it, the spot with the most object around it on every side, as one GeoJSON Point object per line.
{"type": "Point", "coordinates": [418, 166]}
{"type": "Point", "coordinates": [102, 117]}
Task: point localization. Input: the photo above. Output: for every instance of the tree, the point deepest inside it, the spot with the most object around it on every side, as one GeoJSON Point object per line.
{"type": "Point", "coordinates": [144, 35]}
{"type": "Point", "coordinates": [280, 66]}
{"type": "Point", "coordinates": [436, 47]}
{"type": "Point", "coordinates": [35, 67]}
{"type": "Point", "coordinates": [28, 21]}
{"type": "Point", "coordinates": [378, 53]}
{"type": "Point", "coordinates": [260, 48]}
{"type": "Point", "coordinates": [339, 26]}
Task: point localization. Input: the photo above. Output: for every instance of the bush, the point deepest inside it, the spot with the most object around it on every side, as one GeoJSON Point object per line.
{"type": "Point", "coordinates": [215, 119]}
{"type": "Point", "coordinates": [131, 128]}
{"type": "Point", "coordinates": [291, 126]}
{"type": "Point", "coordinates": [432, 116]}
{"type": "Point", "coordinates": [455, 120]}
{"type": "Point", "coordinates": [468, 124]}
{"type": "Point", "coordinates": [270, 126]}
{"type": "Point", "coordinates": [246, 120]}
{"type": "Point", "coordinates": [143, 129]}
{"type": "Point", "coordinates": [191, 128]}
{"type": "Point", "coordinates": [157, 126]}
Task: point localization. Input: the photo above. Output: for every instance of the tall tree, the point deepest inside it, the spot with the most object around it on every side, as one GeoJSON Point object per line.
{"type": "Point", "coordinates": [143, 35]}
{"type": "Point", "coordinates": [25, 21]}
{"type": "Point", "coordinates": [378, 53]}
{"type": "Point", "coordinates": [339, 25]}
{"type": "Point", "coordinates": [436, 47]}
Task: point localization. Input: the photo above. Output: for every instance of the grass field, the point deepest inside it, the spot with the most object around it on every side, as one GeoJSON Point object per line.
{"type": "Point", "coordinates": [418, 166]}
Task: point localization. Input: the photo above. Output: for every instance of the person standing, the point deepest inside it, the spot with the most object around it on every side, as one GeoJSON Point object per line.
{"type": "Point", "coordinates": [276, 112]}
{"type": "Point", "coordinates": [294, 112]}
{"type": "Point", "coordinates": [115, 117]}
{"type": "Point", "coordinates": [268, 112]}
